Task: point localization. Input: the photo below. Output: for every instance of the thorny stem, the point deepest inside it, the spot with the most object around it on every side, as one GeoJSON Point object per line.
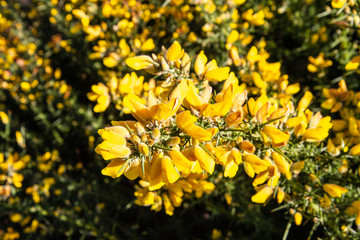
{"type": "Point", "coordinates": [161, 147]}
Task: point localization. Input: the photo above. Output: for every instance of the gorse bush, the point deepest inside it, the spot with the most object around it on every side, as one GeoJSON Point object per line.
{"type": "Point", "coordinates": [179, 119]}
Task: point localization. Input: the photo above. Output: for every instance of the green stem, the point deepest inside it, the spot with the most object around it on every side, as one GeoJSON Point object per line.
{"type": "Point", "coordinates": [161, 147]}
{"type": "Point", "coordinates": [206, 150]}
{"type": "Point", "coordinates": [287, 230]}
{"type": "Point", "coordinates": [316, 224]}
{"type": "Point", "coordinates": [270, 121]}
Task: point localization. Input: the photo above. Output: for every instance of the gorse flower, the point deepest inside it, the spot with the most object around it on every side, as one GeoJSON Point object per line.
{"type": "Point", "coordinates": [190, 130]}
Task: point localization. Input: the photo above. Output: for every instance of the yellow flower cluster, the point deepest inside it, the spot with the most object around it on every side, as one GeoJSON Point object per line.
{"type": "Point", "coordinates": [186, 129]}
{"type": "Point", "coordinates": [10, 175]}
{"type": "Point", "coordinates": [347, 133]}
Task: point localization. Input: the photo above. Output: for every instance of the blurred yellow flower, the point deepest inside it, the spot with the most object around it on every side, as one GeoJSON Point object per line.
{"type": "Point", "coordinates": [334, 190]}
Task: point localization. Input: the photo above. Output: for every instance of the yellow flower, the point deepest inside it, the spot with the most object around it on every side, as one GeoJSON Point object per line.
{"type": "Point", "coordinates": [157, 111]}
{"type": "Point", "coordinates": [319, 63]}
{"type": "Point", "coordinates": [278, 138]}
{"type": "Point", "coordinates": [111, 60]}
{"type": "Point", "coordinates": [210, 71]}
{"type": "Point", "coordinates": [185, 121]}
{"type": "Point", "coordinates": [298, 218]}
{"type": "Point", "coordinates": [169, 208]}
{"type": "Point", "coordinates": [216, 109]}
{"type": "Point", "coordinates": [257, 164]}
{"type": "Point", "coordinates": [100, 94]}
{"type": "Point", "coordinates": [354, 209]}
{"type": "Point", "coordinates": [334, 190]}
{"type": "Point", "coordinates": [131, 83]}
{"type": "Point", "coordinates": [353, 64]}
{"type": "Point", "coordinates": [114, 144]}
{"type": "Point", "coordinates": [338, 3]}
{"type": "Point", "coordinates": [253, 55]}
{"type": "Point", "coordinates": [80, 14]}
{"type": "Point", "coordinates": [216, 234]}
{"type": "Point", "coordinates": [20, 139]}
{"type": "Point", "coordinates": [355, 150]}
{"type": "Point", "coordinates": [234, 118]}
{"type": "Point", "coordinates": [319, 128]}
{"type": "Point", "coordinates": [299, 123]}
{"type": "Point", "coordinates": [247, 146]}
{"type": "Point", "coordinates": [280, 195]}
{"type": "Point", "coordinates": [4, 117]}
{"type": "Point", "coordinates": [16, 217]}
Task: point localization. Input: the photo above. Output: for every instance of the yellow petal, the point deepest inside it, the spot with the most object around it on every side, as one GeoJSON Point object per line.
{"type": "Point", "coordinates": [247, 146]}
{"type": "Point", "coordinates": [169, 208]}
{"type": "Point", "coordinates": [252, 55]}
{"type": "Point", "coordinates": [148, 45]}
{"type": "Point", "coordinates": [206, 161]}
{"type": "Point", "coordinates": [169, 173]}
{"type": "Point", "coordinates": [261, 178]}
{"type": "Point", "coordinates": [263, 195]}
{"type": "Point", "coordinates": [292, 89]}
{"type": "Point", "coordinates": [200, 62]}
{"type": "Point", "coordinates": [277, 137]}
{"type": "Point", "coordinates": [134, 170]}
{"type": "Point", "coordinates": [258, 81]}
{"type": "Point", "coordinates": [113, 137]}
{"type": "Point", "coordinates": [281, 112]}
{"type": "Point", "coordinates": [257, 164]}
{"type": "Point", "coordinates": [174, 52]}
{"type": "Point", "coordinates": [280, 195]}
{"type": "Point", "coordinates": [282, 165]}
{"type": "Point", "coordinates": [113, 168]}
{"type": "Point", "coordinates": [329, 103]}
{"type": "Point", "coordinates": [231, 169]}
{"type": "Point", "coordinates": [122, 131]}
{"type": "Point", "coordinates": [110, 151]}
{"type": "Point", "coordinates": [185, 120]}
{"type": "Point", "coordinates": [249, 169]}
{"type": "Point", "coordinates": [139, 110]}
{"type": "Point", "coordinates": [355, 150]}
{"type": "Point", "coordinates": [216, 109]}
{"type": "Point", "coordinates": [140, 62]}
{"type": "Point", "coordinates": [338, 3]}
{"type": "Point", "coordinates": [163, 111]}
{"type": "Point", "coordinates": [180, 91]}
{"type": "Point", "coordinates": [236, 155]}
{"type": "Point", "coordinates": [262, 112]}
{"type": "Point", "coordinates": [199, 133]}
{"type": "Point", "coordinates": [156, 173]}
{"type": "Point", "coordinates": [305, 101]}
{"type": "Point", "coordinates": [234, 118]}
{"type": "Point", "coordinates": [218, 74]}
{"type": "Point", "coordinates": [180, 161]}
{"type": "Point", "coordinates": [315, 134]}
